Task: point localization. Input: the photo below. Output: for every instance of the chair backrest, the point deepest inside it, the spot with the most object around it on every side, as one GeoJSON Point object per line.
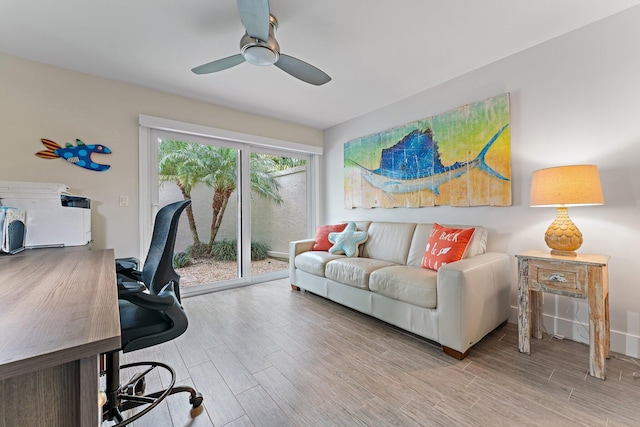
{"type": "Point", "coordinates": [158, 266]}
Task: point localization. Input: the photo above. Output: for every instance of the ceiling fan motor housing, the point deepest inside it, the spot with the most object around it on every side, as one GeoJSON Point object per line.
{"type": "Point", "coordinates": [259, 52]}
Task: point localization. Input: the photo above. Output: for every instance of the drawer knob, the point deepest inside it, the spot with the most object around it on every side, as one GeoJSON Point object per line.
{"type": "Point", "coordinates": [556, 277]}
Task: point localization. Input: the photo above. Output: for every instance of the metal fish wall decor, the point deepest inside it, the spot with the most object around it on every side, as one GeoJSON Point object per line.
{"type": "Point", "coordinates": [458, 158]}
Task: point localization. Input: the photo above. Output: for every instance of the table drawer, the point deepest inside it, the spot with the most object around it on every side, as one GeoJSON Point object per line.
{"type": "Point", "coordinates": [559, 278]}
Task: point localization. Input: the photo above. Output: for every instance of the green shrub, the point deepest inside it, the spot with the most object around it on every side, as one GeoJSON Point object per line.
{"type": "Point", "coordinates": [198, 251]}
{"type": "Point", "coordinates": [227, 250]}
{"type": "Point", "coordinates": [181, 259]}
{"type": "Point", "coordinates": [258, 251]}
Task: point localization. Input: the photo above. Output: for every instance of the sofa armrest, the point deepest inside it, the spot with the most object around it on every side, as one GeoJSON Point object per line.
{"type": "Point", "coordinates": [472, 299]}
{"type": "Point", "coordinates": [295, 248]}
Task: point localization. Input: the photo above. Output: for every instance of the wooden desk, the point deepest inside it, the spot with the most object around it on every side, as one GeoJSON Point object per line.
{"type": "Point", "coordinates": [59, 312]}
{"type": "Point", "coordinates": [582, 276]}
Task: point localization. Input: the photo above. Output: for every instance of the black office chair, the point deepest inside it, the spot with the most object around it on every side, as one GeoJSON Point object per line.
{"type": "Point", "coordinates": [160, 252]}
{"type": "Point", "coordinates": [150, 314]}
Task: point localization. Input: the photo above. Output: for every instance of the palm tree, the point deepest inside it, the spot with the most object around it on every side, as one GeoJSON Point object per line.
{"type": "Point", "coordinates": [222, 165]}
{"type": "Point", "coordinates": [187, 164]}
{"type": "Point", "coordinates": [284, 163]}
{"type": "Point", "coordinates": [262, 182]}
{"type": "Point", "coordinates": [180, 162]}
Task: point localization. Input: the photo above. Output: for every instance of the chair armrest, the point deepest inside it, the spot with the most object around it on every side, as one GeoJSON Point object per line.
{"type": "Point", "coordinates": [128, 263]}
{"type": "Point", "coordinates": [130, 275]}
{"type": "Point", "coordinates": [129, 288]}
{"type": "Point", "coordinates": [129, 269]}
{"type": "Point", "coordinates": [295, 248]}
{"type": "Point", "coordinates": [163, 301]}
{"type": "Point", "coordinates": [472, 299]}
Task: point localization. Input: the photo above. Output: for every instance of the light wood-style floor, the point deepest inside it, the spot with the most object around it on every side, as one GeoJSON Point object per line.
{"type": "Point", "coordinates": [264, 355]}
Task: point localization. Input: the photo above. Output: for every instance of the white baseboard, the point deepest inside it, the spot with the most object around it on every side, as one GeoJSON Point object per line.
{"type": "Point", "coordinates": [621, 342]}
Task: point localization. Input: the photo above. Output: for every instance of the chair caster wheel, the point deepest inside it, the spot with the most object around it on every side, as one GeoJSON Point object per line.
{"type": "Point", "coordinates": [196, 400]}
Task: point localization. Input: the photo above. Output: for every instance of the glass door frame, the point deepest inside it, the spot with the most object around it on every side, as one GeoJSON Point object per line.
{"type": "Point", "coordinates": [310, 202]}
{"type": "Point", "coordinates": [148, 181]}
{"type": "Point", "coordinates": [241, 200]}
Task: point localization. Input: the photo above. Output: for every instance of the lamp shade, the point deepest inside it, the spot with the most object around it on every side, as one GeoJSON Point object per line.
{"type": "Point", "coordinates": [576, 185]}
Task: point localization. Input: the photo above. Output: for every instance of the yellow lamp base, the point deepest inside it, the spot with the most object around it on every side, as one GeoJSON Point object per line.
{"type": "Point", "coordinates": [562, 236]}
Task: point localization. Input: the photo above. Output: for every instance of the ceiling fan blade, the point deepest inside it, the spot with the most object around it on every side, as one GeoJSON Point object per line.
{"type": "Point", "coordinates": [255, 18]}
{"type": "Point", "coordinates": [219, 65]}
{"type": "Point", "coordinates": [301, 70]}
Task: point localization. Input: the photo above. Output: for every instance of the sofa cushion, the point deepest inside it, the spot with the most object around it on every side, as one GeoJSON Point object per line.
{"type": "Point", "coordinates": [353, 271]}
{"type": "Point", "coordinates": [389, 241]}
{"type": "Point", "coordinates": [446, 245]}
{"type": "Point", "coordinates": [478, 243]}
{"type": "Point", "coordinates": [477, 246]}
{"type": "Point", "coordinates": [348, 241]}
{"type": "Point", "coordinates": [314, 262]}
{"type": "Point", "coordinates": [413, 285]}
{"type": "Point", "coordinates": [322, 242]}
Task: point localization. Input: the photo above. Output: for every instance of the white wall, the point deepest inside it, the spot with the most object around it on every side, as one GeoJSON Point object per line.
{"type": "Point", "coordinates": [575, 99]}
{"type": "Point", "coordinates": [42, 101]}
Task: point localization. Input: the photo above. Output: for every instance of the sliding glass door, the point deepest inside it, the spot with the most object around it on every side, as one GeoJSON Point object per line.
{"type": "Point", "coordinates": [208, 249]}
{"type": "Point", "coordinates": [246, 207]}
{"type": "Point", "coordinates": [279, 209]}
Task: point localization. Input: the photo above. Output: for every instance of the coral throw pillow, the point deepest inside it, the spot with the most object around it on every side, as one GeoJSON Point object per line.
{"type": "Point", "coordinates": [322, 236]}
{"type": "Point", "coordinates": [446, 245]}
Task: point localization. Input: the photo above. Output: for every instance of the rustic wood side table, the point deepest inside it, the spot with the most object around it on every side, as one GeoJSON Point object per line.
{"type": "Point", "coordinates": [582, 276]}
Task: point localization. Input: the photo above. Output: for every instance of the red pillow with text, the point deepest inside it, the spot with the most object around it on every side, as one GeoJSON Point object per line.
{"type": "Point", "coordinates": [446, 245]}
{"type": "Point", "coordinates": [322, 236]}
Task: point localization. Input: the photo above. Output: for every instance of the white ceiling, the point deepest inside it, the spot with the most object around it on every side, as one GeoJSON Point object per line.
{"type": "Point", "coordinates": [376, 51]}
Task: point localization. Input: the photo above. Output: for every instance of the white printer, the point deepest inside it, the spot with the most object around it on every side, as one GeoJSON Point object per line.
{"type": "Point", "coordinates": [54, 217]}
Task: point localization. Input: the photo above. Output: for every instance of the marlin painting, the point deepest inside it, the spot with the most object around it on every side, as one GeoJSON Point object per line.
{"type": "Point", "coordinates": [79, 154]}
{"type": "Point", "coordinates": [414, 164]}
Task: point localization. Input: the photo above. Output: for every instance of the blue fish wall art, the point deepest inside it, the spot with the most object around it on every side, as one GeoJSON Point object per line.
{"type": "Point", "coordinates": [79, 154]}
{"type": "Point", "coordinates": [458, 158]}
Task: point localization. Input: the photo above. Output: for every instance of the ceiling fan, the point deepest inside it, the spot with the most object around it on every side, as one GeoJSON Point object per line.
{"type": "Point", "coordinates": [258, 46]}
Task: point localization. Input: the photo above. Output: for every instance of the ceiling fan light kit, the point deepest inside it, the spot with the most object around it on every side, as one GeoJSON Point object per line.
{"type": "Point", "coordinates": [259, 46]}
{"type": "Point", "coordinates": [257, 52]}
{"type": "Point", "coordinates": [260, 55]}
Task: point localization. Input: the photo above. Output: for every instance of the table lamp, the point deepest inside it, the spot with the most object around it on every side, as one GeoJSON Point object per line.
{"type": "Point", "coordinates": [564, 186]}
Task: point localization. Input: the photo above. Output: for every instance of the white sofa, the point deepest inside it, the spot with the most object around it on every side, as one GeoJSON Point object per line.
{"type": "Point", "coordinates": [455, 306]}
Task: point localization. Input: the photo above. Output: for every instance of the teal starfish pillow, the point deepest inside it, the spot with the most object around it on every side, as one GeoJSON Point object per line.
{"type": "Point", "coordinates": [347, 241]}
